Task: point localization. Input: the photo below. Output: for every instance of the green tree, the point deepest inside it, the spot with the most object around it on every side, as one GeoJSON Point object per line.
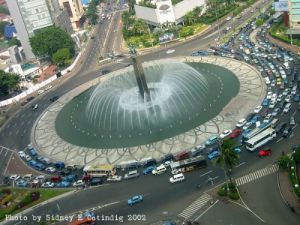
{"type": "Point", "coordinates": [228, 157]}
{"type": "Point", "coordinates": [259, 22]}
{"type": "Point", "coordinates": [8, 82]}
{"type": "Point", "coordinates": [4, 10]}
{"type": "Point", "coordinates": [92, 11]}
{"type": "Point", "coordinates": [61, 57]}
{"type": "Point", "coordinates": [189, 18]}
{"type": "Point", "coordinates": [50, 39]}
{"type": "Point", "coordinates": [14, 41]}
{"type": "Point", "coordinates": [2, 27]}
{"type": "Point", "coordinates": [186, 31]}
{"type": "Point", "coordinates": [284, 161]}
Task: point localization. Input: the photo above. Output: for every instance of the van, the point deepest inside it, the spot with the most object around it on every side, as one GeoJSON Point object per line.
{"type": "Point", "coordinates": [181, 156]}
{"type": "Point", "coordinates": [159, 170]}
{"type": "Point", "coordinates": [274, 122]}
{"type": "Point", "coordinates": [177, 178]}
{"type": "Point", "coordinates": [287, 108]}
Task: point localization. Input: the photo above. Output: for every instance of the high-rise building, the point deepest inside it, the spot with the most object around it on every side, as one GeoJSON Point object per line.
{"type": "Point", "coordinates": [75, 11]}
{"type": "Point", "coordinates": [60, 16]}
{"type": "Point", "coordinates": [29, 16]}
{"type": "Point", "coordinates": [294, 16]}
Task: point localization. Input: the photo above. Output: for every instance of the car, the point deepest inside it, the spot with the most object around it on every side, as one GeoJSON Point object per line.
{"type": "Point", "coordinates": [34, 107]}
{"type": "Point", "coordinates": [27, 177]}
{"type": "Point", "coordinates": [225, 133]}
{"type": "Point", "coordinates": [22, 183]}
{"type": "Point", "coordinates": [53, 99]}
{"type": "Point", "coordinates": [48, 87]}
{"type": "Point", "coordinates": [212, 140]}
{"type": "Point", "coordinates": [255, 119]}
{"type": "Point", "coordinates": [257, 109]}
{"type": "Point", "coordinates": [213, 153]}
{"type": "Point", "coordinates": [14, 177]}
{"type": "Point", "coordinates": [70, 178]}
{"type": "Point", "coordinates": [50, 169]}
{"type": "Point", "coordinates": [63, 184]}
{"type": "Point", "coordinates": [114, 178]}
{"type": "Point", "coordinates": [237, 149]}
{"type": "Point", "coordinates": [22, 154]}
{"type": "Point", "coordinates": [280, 128]}
{"type": "Point", "coordinates": [287, 132]}
{"type": "Point", "coordinates": [96, 181]}
{"type": "Point", "coordinates": [167, 163]}
{"type": "Point", "coordinates": [176, 171]}
{"type": "Point", "coordinates": [48, 184]}
{"type": "Point", "coordinates": [235, 133]}
{"type": "Point", "coordinates": [247, 125]}
{"type": "Point", "coordinates": [78, 183]}
{"type": "Point", "coordinates": [135, 199]}
{"type": "Point", "coordinates": [158, 170]}
{"type": "Point", "coordinates": [59, 165]}
{"type": "Point", "coordinates": [131, 174]}
{"type": "Point", "coordinates": [241, 123]}
{"type": "Point", "coordinates": [30, 98]}
{"type": "Point", "coordinates": [64, 172]}
{"type": "Point", "coordinates": [265, 102]}
{"type": "Point", "coordinates": [264, 152]}
{"type": "Point", "coordinates": [41, 91]}
{"type": "Point", "coordinates": [170, 51]}
{"type": "Point", "coordinates": [292, 121]}
{"type": "Point", "coordinates": [149, 169]}
{"type": "Point", "coordinates": [28, 158]}
{"type": "Point", "coordinates": [275, 111]}
{"type": "Point", "coordinates": [41, 177]}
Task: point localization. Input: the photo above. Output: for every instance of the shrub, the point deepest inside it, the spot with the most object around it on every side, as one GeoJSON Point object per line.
{"type": "Point", "coordinates": [297, 155]}
{"type": "Point", "coordinates": [222, 191]}
{"type": "Point", "coordinates": [234, 195]}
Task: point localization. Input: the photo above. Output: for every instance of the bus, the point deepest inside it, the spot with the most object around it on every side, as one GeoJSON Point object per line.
{"type": "Point", "coordinates": [260, 139]}
{"type": "Point", "coordinates": [256, 131]}
{"type": "Point", "coordinates": [189, 164]}
{"type": "Point", "coordinates": [100, 171]}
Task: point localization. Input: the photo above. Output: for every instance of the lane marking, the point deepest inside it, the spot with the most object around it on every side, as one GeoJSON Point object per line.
{"type": "Point", "coordinates": [206, 210]}
{"type": "Point", "coordinates": [242, 163]}
{"type": "Point", "coordinates": [201, 175]}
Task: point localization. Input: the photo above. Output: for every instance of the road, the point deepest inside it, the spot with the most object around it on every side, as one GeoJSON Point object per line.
{"type": "Point", "coordinates": [161, 197]}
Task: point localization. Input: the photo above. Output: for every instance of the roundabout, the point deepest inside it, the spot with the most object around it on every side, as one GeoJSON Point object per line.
{"type": "Point", "coordinates": [105, 122]}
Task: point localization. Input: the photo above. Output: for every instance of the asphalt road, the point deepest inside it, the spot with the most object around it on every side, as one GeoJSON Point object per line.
{"type": "Point", "coordinates": [160, 196]}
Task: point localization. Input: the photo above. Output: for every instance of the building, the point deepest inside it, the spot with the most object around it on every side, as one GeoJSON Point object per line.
{"type": "Point", "coordinates": [29, 16]}
{"type": "Point", "coordinates": [164, 12]}
{"type": "Point", "coordinates": [60, 16]}
{"type": "Point", "coordinates": [14, 54]}
{"type": "Point", "coordinates": [294, 16]}
{"type": "Point", "coordinates": [75, 11]}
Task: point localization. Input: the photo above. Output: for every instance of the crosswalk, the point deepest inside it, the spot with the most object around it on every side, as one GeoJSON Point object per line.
{"type": "Point", "coordinates": [195, 206]}
{"type": "Point", "coordinates": [256, 174]}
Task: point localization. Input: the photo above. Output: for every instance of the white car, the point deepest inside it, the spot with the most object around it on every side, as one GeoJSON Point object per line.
{"type": "Point", "coordinates": [225, 133]}
{"type": "Point", "coordinates": [14, 177]}
{"type": "Point", "coordinates": [170, 51]}
{"type": "Point", "coordinates": [41, 177]}
{"type": "Point", "coordinates": [48, 87]}
{"type": "Point", "coordinates": [50, 169]}
{"type": "Point", "coordinates": [176, 171]}
{"type": "Point", "coordinates": [78, 183]}
{"type": "Point", "coordinates": [167, 163]}
{"type": "Point", "coordinates": [27, 157]}
{"type": "Point", "coordinates": [48, 184]}
{"type": "Point", "coordinates": [22, 154]}
{"type": "Point", "coordinates": [40, 92]}
{"type": "Point", "coordinates": [114, 178]}
{"type": "Point", "coordinates": [269, 95]}
{"type": "Point", "coordinates": [272, 105]}
{"type": "Point", "coordinates": [241, 123]}
{"type": "Point", "coordinates": [28, 177]}
{"type": "Point", "coordinates": [257, 109]}
{"type": "Point", "coordinates": [247, 125]}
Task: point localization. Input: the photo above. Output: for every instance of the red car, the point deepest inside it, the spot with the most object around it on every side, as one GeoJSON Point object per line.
{"type": "Point", "coordinates": [235, 133]}
{"type": "Point", "coordinates": [264, 152]}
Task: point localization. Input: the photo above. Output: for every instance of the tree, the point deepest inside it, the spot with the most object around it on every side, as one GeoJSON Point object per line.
{"type": "Point", "coordinates": [228, 157]}
{"type": "Point", "coordinates": [50, 39]}
{"type": "Point", "coordinates": [61, 57]}
{"type": "Point", "coordinates": [188, 18]}
{"type": "Point", "coordinates": [8, 81]}
{"type": "Point", "coordinates": [259, 22]}
{"type": "Point", "coordinates": [4, 10]}
{"type": "Point", "coordinates": [284, 161]}
{"type": "Point", "coordinates": [2, 27]}
{"type": "Point", "coordinates": [92, 11]}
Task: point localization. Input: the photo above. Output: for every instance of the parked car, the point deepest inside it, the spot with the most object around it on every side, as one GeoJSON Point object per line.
{"type": "Point", "coordinates": [212, 140]}
{"type": "Point", "coordinates": [241, 123]}
{"type": "Point", "coordinates": [70, 178]}
{"type": "Point", "coordinates": [96, 181]}
{"type": "Point", "coordinates": [257, 109]}
{"type": "Point", "coordinates": [50, 169]}
{"type": "Point", "coordinates": [225, 133]}
{"type": "Point", "coordinates": [59, 165]}
{"type": "Point", "coordinates": [28, 177]}
{"type": "Point", "coordinates": [48, 184]}
{"type": "Point", "coordinates": [264, 152]}
{"type": "Point", "coordinates": [22, 183]}
{"type": "Point", "coordinates": [213, 153]}
{"type": "Point", "coordinates": [114, 178]}
{"type": "Point", "coordinates": [14, 177]}
{"type": "Point", "coordinates": [27, 157]}
{"type": "Point", "coordinates": [149, 169]}
{"type": "Point", "coordinates": [63, 184]}
{"type": "Point", "coordinates": [22, 154]}
{"type": "Point", "coordinates": [160, 169]}
{"type": "Point", "coordinates": [135, 199]}
{"type": "Point", "coordinates": [235, 133]}
{"type": "Point", "coordinates": [55, 179]}
{"type": "Point", "coordinates": [78, 183]}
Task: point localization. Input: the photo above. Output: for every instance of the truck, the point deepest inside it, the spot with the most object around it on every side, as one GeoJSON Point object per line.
{"type": "Point", "coordinates": [189, 164]}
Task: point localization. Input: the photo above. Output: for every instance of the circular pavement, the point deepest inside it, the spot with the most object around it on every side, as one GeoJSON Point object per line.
{"type": "Point", "coordinates": [49, 144]}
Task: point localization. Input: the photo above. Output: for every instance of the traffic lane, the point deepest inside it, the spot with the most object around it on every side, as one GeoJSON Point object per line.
{"type": "Point", "coordinates": [227, 213]}
{"type": "Point", "coordinates": [5, 156]}
{"type": "Point", "coordinates": [262, 196]}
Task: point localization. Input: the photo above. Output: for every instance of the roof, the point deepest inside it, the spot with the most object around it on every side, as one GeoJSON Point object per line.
{"type": "Point", "coordinates": [102, 167]}
{"type": "Point", "coordinates": [9, 31]}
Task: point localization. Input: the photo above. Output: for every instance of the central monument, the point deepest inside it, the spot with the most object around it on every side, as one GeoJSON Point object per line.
{"type": "Point", "coordinates": [139, 75]}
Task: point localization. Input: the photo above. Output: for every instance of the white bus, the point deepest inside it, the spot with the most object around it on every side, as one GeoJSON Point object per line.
{"type": "Point", "coordinates": [255, 132]}
{"type": "Point", "coordinates": [260, 139]}
{"type": "Point", "coordinates": [99, 171]}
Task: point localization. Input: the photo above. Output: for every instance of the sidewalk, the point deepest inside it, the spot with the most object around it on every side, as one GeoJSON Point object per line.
{"type": "Point", "coordinates": [286, 191]}
{"type": "Point", "coordinates": [292, 48]}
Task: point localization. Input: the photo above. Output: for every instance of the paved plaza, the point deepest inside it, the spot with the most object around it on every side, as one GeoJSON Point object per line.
{"type": "Point", "coordinates": [49, 144]}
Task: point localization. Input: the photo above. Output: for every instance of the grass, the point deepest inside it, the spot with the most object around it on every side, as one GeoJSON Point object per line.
{"type": "Point", "coordinates": [2, 119]}
{"type": "Point", "coordinates": [20, 193]}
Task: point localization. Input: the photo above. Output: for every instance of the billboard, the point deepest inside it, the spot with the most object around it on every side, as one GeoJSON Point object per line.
{"type": "Point", "coordinates": [281, 6]}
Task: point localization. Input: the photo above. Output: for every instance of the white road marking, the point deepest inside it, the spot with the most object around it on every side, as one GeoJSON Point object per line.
{"type": "Point", "coordinates": [242, 163]}
{"type": "Point", "coordinates": [201, 175]}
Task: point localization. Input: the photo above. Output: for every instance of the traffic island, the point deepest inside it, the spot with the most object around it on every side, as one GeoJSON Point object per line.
{"type": "Point", "coordinates": [229, 190]}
